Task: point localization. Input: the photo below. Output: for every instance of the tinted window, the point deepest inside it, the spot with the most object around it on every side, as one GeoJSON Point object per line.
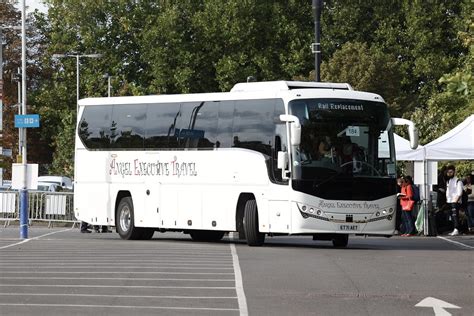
{"type": "Point", "coordinates": [225, 124]}
{"type": "Point", "coordinates": [128, 126]}
{"type": "Point", "coordinates": [94, 127]}
{"type": "Point", "coordinates": [198, 125]}
{"type": "Point", "coordinates": [161, 120]}
{"type": "Point", "coordinates": [254, 125]}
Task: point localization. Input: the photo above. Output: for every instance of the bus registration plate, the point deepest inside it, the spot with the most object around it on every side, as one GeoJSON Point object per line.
{"type": "Point", "coordinates": [348, 227]}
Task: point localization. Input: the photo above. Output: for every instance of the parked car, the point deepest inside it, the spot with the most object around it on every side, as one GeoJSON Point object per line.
{"type": "Point", "coordinates": [6, 185]}
{"type": "Point", "coordinates": [49, 187]}
{"type": "Point", "coordinates": [64, 182]}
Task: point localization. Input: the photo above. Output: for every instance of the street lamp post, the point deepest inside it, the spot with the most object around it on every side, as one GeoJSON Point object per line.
{"type": "Point", "coordinates": [77, 56]}
{"type": "Point", "coordinates": [109, 86]}
{"type": "Point", "coordinates": [23, 190]}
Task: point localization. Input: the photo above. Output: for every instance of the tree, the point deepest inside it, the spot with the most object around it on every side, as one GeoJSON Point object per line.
{"type": "Point", "coordinates": [366, 69]}
{"type": "Point", "coordinates": [420, 36]}
{"type": "Point", "coordinates": [400, 50]}
{"type": "Point", "coordinates": [211, 45]}
{"type": "Point", "coordinates": [10, 16]}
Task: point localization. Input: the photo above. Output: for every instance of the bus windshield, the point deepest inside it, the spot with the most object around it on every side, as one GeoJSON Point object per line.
{"type": "Point", "coordinates": [342, 140]}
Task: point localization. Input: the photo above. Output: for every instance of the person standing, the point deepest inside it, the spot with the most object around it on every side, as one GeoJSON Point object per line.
{"type": "Point", "coordinates": [470, 203]}
{"type": "Point", "coordinates": [398, 215]}
{"type": "Point", "coordinates": [454, 189]}
{"type": "Point", "coordinates": [407, 203]}
{"type": "Point", "coordinates": [85, 228]}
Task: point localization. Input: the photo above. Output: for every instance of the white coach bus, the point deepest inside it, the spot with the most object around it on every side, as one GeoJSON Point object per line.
{"type": "Point", "coordinates": [267, 158]}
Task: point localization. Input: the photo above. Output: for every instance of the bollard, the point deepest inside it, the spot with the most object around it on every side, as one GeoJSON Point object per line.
{"type": "Point", "coordinates": [23, 214]}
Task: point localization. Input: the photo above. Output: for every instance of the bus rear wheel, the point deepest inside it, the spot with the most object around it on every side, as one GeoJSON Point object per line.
{"type": "Point", "coordinates": [340, 241]}
{"type": "Point", "coordinates": [206, 235]}
{"type": "Point", "coordinates": [126, 226]}
{"type": "Point", "coordinates": [252, 234]}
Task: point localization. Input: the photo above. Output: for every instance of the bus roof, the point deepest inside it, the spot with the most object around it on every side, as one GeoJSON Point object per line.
{"type": "Point", "coordinates": [250, 90]}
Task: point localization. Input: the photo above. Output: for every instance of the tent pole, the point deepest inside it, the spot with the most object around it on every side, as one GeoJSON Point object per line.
{"type": "Point", "coordinates": [426, 196]}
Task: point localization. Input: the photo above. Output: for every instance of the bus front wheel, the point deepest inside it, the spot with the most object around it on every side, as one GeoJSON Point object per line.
{"type": "Point", "coordinates": [252, 234]}
{"type": "Point", "coordinates": [125, 226]}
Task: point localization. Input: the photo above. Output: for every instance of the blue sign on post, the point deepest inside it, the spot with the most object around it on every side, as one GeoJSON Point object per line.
{"type": "Point", "coordinates": [26, 121]}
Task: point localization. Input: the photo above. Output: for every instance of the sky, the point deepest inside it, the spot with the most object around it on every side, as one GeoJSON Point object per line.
{"type": "Point", "coordinates": [32, 5]}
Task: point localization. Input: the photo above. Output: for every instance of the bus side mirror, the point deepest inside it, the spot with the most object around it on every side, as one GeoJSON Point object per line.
{"type": "Point", "coordinates": [295, 128]}
{"type": "Point", "coordinates": [282, 163]}
{"type": "Point", "coordinates": [412, 130]}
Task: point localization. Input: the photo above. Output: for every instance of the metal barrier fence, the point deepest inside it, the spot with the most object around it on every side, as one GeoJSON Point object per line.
{"type": "Point", "coordinates": [42, 206]}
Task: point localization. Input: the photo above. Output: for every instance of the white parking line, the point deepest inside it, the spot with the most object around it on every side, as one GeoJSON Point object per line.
{"type": "Point", "coordinates": [123, 296]}
{"type": "Point", "coordinates": [121, 286]}
{"type": "Point", "coordinates": [6, 271]}
{"type": "Point", "coordinates": [455, 242]}
{"type": "Point", "coordinates": [239, 287]}
{"type": "Point", "coordinates": [126, 307]}
{"type": "Point", "coordinates": [107, 267]}
{"type": "Point", "coordinates": [111, 279]}
{"type": "Point", "coordinates": [34, 238]}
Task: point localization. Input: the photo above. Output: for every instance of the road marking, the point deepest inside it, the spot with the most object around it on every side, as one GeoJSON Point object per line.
{"type": "Point", "coordinates": [121, 296]}
{"type": "Point", "coordinates": [109, 272]}
{"type": "Point", "coordinates": [110, 261]}
{"type": "Point", "coordinates": [34, 238]}
{"type": "Point", "coordinates": [122, 286]}
{"type": "Point", "coordinates": [437, 305]}
{"type": "Point", "coordinates": [121, 279]}
{"type": "Point", "coordinates": [126, 307]}
{"type": "Point", "coordinates": [118, 267]}
{"type": "Point", "coordinates": [455, 242]}
{"type": "Point", "coordinates": [239, 287]}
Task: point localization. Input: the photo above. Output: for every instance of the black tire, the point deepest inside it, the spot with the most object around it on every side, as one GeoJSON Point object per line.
{"type": "Point", "coordinates": [252, 234]}
{"type": "Point", "coordinates": [125, 220]}
{"type": "Point", "coordinates": [340, 241]}
{"type": "Point", "coordinates": [206, 235]}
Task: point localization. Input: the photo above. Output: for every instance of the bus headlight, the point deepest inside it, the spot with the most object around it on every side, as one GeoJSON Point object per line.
{"type": "Point", "coordinates": [377, 214]}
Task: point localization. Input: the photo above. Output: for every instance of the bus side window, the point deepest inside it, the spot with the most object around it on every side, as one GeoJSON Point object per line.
{"type": "Point", "coordinates": [129, 131]}
{"type": "Point", "coordinates": [95, 126]}
{"type": "Point", "coordinates": [198, 126]}
{"type": "Point", "coordinates": [225, 124]}
{"type": "Point", "coordinates": [160, 126]}
{"type": "Point", "coordinates": [253, 125]}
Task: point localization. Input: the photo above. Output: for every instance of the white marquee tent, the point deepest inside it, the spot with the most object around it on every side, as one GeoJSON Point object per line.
{"type": "Point", "coordinates": [404, 151]}
{"type": "Point", "coordinates": [457, 144]}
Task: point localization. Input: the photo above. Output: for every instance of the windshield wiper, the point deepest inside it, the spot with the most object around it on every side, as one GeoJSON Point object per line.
{"type": "Point", "coordinates": [317, 185]}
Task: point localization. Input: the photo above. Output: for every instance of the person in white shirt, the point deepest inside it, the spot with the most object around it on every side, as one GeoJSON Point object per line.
{"type": "Point", "coordinates": [454, 189]}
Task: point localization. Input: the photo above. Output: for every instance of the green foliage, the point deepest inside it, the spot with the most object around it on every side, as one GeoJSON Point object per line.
{"type": "Point", "coordinates": [399, 49]}
{"type": "Point", "coordinates": [366, 69]}
{"type": "Point", "coordinates": [440, 116]}
{"type": "Point", "coordinates": [211, 45]}
{"type": "Point", "coordinates": [63, 160]}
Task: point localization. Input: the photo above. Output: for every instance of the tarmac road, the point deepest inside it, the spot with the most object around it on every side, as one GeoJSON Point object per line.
{"type": "Point", "coordinates": [62, 272]}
